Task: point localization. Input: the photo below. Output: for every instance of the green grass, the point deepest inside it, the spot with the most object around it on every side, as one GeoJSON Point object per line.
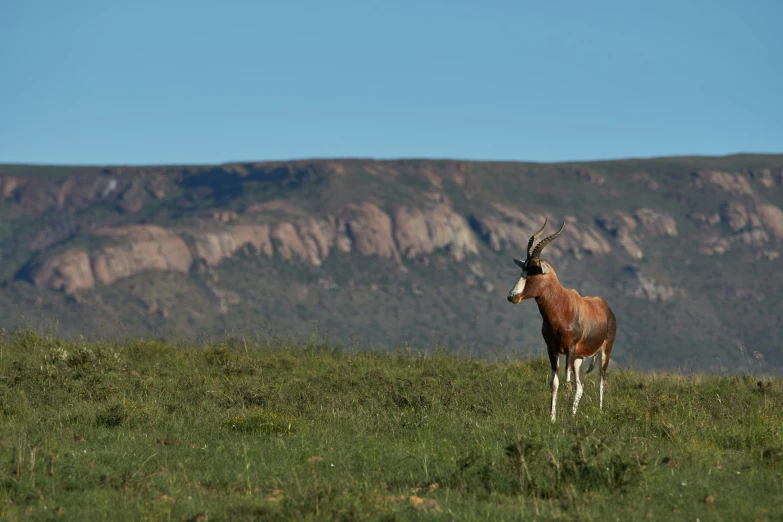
{"type": "Point", "coordinates": [284, 430]}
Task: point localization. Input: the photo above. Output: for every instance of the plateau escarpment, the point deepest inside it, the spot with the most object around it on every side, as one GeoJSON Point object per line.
{"type": "Point", "coordinates": [407, 232]}
{"type": "Point", "coordinates": [393, 247]}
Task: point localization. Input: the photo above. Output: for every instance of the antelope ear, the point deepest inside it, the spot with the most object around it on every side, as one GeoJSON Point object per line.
{"type": "Point", "coordinates": [544, 268]}
{"type": "Point", "coordinates": [520, 264]}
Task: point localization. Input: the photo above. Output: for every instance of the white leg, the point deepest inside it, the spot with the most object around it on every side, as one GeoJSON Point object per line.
{"type": "Point", "coordinates": [601, 391]}
{"type": "Point", "coordinates": [578, 379]}
{"type": "Point", "coordinates": [554, 382]}
{"type": "Point", "coordinates": [599, 360]}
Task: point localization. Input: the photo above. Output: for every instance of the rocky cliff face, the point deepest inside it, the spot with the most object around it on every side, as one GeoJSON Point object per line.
{"type": "Point", "coordinates": [140, 248]}
{"type": "Point", "coordinates": [422, 232]}
{"type": "Point", "coordinates": [771, 217]}
{"type": "Point", "coordinates": [511, 229]}
{"type": "Point", "coordinates": [406, 232]}
{"type": "Point", "coordinates": [622, 227]}
{"type": "Point", "coordinates": [731, 183]}
{"type": "Point", "coordinates": [746, 228]}
{"type": "Point", "coordinates": [68, 271]}
{"type": "Point", "coordinates": [363, 228]}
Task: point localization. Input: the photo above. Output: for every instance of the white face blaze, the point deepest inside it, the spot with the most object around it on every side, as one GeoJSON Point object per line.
{"type": "Point", "coordinates": [519, 287]}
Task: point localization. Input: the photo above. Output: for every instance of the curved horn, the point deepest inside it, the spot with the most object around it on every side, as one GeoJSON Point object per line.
{"type": "Point", "coordinates": [544, 242]}
{"type": "Point", "coordinates": [533, 240]}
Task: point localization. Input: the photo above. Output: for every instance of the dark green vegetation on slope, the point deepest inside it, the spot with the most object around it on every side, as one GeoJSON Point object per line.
{"type": "Point", "coordinates": [147, 430]}
{"type": "Point", "coordinates": [728, 303]}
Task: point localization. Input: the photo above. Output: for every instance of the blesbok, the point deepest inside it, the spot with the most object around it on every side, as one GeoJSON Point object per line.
{"type": "Point", "coordinates": [576, 326]}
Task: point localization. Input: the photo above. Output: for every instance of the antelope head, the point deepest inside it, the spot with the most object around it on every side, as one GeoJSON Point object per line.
{"type": "Point", "coordinates": [535, 272]}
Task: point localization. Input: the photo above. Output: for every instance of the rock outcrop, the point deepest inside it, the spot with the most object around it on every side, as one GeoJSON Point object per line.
{"type": "Point", "coordinates": [656, 223]}
{"type": "Point", "coordinates": [621, 226]}
{"type": "Point", "coordinates": [734, 215]}
{"type": "Point", "coordinates": [370, 230]}
{"type": "Point", "coordinates": [633, 283]}
{"type": "Point", "coordinates": [309, 240]}
{"type": "Point", "coordinates": [8, 186]}
{"type": "Point", "coordinates": [146, 247]}
{"type": "Point", "coordinates": [709, 219]}
{"type": "Point", "coordinates": [508, 228]}
{"type": "Point", "coordinates": [286, 241]}
{"type": "Point", "coordinates": [736, 184]}
{"type": "Point", "coordinates": [584, 239]}
{"type": "Point", "coordinates": [364, 228]}
{"type": "Point", "coordinates": [756, 237]}
{"type": "Point", "coordinates": [320, 235]}
{"type": "Point", "coordinates": [772, 218]}
{"type": "Point", "coordinates": [767, 177]}
{"type": "Point", "coordinates": [755, 229]}
{"type": "Point", "coordinates": [68, 271]}
{"type": "Point", "coordinates": [512, 229]}
{"type": "Point", "coordinates": [422, 232]}
{"type": "Point", "coordinates": [714, 245]}
{"type": "Point", "coordinates": [213, 247]}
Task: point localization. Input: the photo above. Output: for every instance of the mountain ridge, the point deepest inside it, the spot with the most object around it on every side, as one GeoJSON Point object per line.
{"type": "Point", "coordinates": [322, 240]}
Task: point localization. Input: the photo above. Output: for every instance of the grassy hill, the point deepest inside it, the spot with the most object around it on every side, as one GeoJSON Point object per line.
{"type": "Point", "coordinates": [686, 250]}
{"type": "Point", "coordinates": [284, 430]}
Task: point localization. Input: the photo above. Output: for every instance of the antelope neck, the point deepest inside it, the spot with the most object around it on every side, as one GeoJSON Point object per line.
{"type": "Point", "coordinates": [551, 298]}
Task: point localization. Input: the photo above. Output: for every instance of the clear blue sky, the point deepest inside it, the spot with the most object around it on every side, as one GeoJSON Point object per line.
{"type": "Point", "coordinates": [189, 81]}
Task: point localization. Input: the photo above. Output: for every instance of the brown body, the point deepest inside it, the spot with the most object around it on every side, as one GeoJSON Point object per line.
{"type": "Point", "coordinates": [575, 326]}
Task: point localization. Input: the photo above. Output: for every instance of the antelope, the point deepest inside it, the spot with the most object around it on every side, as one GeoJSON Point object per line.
{"type": "Point", "coordinates": [575, 326]}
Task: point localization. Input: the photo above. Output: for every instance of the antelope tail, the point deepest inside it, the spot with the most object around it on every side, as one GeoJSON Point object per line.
{"type": "Point", "coordinates": [592, 361]}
